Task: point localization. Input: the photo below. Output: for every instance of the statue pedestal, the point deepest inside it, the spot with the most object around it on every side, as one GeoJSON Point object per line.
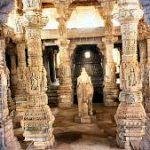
{"type": "Point", "coordinates": [85, 119]}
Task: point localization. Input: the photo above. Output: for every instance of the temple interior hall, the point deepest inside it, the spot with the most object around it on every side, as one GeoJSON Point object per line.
{"type": "Point", "coordinates": [74, 74]}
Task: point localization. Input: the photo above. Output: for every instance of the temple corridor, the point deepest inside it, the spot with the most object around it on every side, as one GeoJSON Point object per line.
{"type": "Point", "coordinates": [74, 74]}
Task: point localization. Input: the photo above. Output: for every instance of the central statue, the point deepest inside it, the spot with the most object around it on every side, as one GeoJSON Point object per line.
{"type": "Point", "coordinates": [85, 96]}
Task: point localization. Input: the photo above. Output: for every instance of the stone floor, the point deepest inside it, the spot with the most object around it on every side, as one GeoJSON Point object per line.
{"type": "Point", "coordinates": [100, 135]}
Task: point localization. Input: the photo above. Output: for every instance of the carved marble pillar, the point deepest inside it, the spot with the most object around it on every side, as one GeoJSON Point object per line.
{"type": "Point", "coordinates": [65, 80]}
{"type": "Point", "coordinates": [111, 91]}
{"type": "Point", "coordinates": [38, 118]}
{"type": "Point", "coordinates": [20, 95]}
{"type": "Point", "coordinates": [146, 84]}
{"type": "Point", "coordinates": [65, 88]}
{"type": "Point", "coordinates": [13, 70]}
{"type": "Point", "coordinates": [55, 65]}
{"type": "Point", "coordinates": [8, 140]}
{"type": "Point", "coordinates": [130, 116]}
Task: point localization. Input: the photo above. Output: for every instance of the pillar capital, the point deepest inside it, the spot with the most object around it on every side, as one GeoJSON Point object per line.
{"type": "Point", "coordinates": [30, 5]}
{"type": "Point", "coordinates": [129, 11]}
{"type": "Point", "coordinates": [63, 43]}
{"type": "Point", "coordinates": [109, 39]}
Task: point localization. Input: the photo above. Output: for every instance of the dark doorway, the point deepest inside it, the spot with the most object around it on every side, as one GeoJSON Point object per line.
{"type": "Point", "coordinates": [50, 63]}
{"type": "Point", "coordinates": [89, 57]}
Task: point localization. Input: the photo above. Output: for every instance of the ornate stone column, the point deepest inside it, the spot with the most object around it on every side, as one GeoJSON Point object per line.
{"type": "Point", "coordinates": [130, 116]}
{"type": "Point", "coordinates": [146, 84]}
{"type": "Point", "coordinates": [8, 140]}
{"type": "Point", "coordinates": [20, 95]}
{"type": "Point", "coordinates": [65, 80]}
{"type": "Point", "coordinates": [55, 65]}
{"type": "Point", "coordinates": [38, 119]}
{"type": "Point", "coordinates": [111, 91]}
{"type": "Point", "coordinates": [13, 69]}
{"type": "Point", "coordinates": [65, 88]}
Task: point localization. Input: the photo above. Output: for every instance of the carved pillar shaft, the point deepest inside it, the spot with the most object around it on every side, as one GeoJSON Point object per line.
{"type": "Point", "coordinates": [54, 67]}
{"type": "Point", "coordinates": [20, 95]}
{"type": "Point", "coordinates": [38, 118]}
{"type": "Point", "coordinates": [9, 141]}
{"type": "Point", "coordinates": [13, 63]}
{"type": "Point", "coordinates": [21, 54]}
{"type": "Point", "coordinates": [130, 116]}
{"type": "Point", "coordinates": [13, 71]}
{"type": "Point", "coordinates": [146, 84]}
{"type": "Point", "coordinates": [148, 50]}
{"type": "Point", "coordinates": [65, 88]}
{"type": "Point", "coordinates": [111, 91]}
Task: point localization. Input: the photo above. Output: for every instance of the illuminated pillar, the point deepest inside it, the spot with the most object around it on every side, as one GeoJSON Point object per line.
{"type": "Point", "coordinates": [38, 119]}
{"type": "Point", "coordinates": [8, 140]}
{"type": "Point", "coordinates": [130, 116]}
{"type": "Point", "coordinates": [65, 88]}
{"type": "Point", "coordinates": [111, 91]}
{"type": "Point", "coordinates": [20, 95]}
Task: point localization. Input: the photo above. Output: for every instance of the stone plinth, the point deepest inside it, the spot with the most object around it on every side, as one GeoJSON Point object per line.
{"type": "Point", "coordinates": [65, 97]}
{"type": "Point", "coordinates": [130, 119]}
{"type": "Point", "coordinates": [8, 140]}
{"type": "Point", "coordinates": [84, 95]}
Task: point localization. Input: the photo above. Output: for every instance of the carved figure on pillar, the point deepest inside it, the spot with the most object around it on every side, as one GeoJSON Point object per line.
{"type": "Point", "coordinates": [85, 95]}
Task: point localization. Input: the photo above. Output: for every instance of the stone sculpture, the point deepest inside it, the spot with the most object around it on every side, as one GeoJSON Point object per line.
{"type": "Point", "coordinates": [84, 95]}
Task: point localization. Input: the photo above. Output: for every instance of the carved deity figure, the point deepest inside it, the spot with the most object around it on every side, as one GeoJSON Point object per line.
{"type": "Point", "coordinates": [131, 78]}
{"type": "Point", "coordinates": [34, 82]}
{"type": "Point", "coordinates": [84, 94]}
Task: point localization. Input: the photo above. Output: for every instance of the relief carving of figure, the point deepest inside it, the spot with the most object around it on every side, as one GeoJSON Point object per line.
{"type": "Point", "coordinates": [131, 77]}
{"type": "Point", "coordinates": [34, 82]}
{"type": "Point", "coordinates": [84, 94]}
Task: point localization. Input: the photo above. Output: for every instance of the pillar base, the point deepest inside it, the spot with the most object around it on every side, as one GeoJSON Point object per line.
{"type": "Point", "coordinates": [11, 142]}
{"type": "Point", "coordinates": [65, 96]}
{"type": "Point", "coordinates": [65, 105]}
{"type": "Point", "coordinates": [110, 103]}
{"type": "Point", "coordinates": [42, 145]}
{"type": "Point", "coordinates": [85, 119]}
{"type": "Point", "coordinates": [130, 119]}
{"type": "Point", "coordinates": [37, 124]}
{"type": "Point", "coordinates": [111, 95]}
